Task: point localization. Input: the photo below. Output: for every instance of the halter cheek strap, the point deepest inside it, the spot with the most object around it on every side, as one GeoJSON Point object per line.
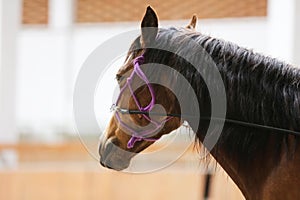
{"type": "Point", "coordinates": [139, 135]}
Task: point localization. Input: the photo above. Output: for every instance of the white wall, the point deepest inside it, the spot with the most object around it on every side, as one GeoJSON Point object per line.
{"type": "Point", "coordinates": [49, 58]}
{"type": "Point", "coordinates": [9, 25]}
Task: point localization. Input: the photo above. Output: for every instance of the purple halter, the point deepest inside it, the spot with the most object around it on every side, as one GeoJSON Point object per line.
{"type": "Point", "coordinates": [139, 135]}
{"type": "Point", "coordinates": [142, 135]}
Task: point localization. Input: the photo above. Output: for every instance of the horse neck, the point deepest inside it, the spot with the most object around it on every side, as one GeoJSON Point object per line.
{"type": "Point", "coordinates": [259, 90]}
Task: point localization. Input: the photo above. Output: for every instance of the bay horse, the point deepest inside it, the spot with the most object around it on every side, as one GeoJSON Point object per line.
{"type": "Point", "coordinates": [263, 162]}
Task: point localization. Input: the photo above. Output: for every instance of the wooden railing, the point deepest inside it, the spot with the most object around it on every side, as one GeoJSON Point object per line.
{"type": "Point", "coordinates": [66, 171]}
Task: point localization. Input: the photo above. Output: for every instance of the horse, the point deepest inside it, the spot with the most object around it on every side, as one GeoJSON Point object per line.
{"type": "Point", "coordinates": [259, 142]}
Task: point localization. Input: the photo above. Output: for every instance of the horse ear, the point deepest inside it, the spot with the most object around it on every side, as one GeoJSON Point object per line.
{"type": "Point", "coordinates": [149, 27]}
{"type": "Point", "coordinates": [193, 22]}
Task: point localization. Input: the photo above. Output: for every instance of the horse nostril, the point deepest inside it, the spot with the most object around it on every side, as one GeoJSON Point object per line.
{"type": "Point", "coordinates": [104, 151]}
{"type": "Point", "coordinates": [108, 148]}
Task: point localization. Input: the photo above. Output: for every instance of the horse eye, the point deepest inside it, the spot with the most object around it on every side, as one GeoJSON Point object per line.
{"type": "Point", "coordinates": [119, 77]}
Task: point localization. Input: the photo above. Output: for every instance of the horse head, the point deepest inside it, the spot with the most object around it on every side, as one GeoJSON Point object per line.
{"type": "Point", "coordinates": [133, 128]}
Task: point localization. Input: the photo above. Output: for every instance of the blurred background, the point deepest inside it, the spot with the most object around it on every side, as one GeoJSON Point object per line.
{"type": "Point", "coordinates": [43, 44]}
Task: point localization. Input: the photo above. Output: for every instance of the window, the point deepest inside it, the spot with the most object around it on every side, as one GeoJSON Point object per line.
{"type": "Point", "coordinates": [130, 10]}
{"type": "Point", "coordinates": [35, 12]}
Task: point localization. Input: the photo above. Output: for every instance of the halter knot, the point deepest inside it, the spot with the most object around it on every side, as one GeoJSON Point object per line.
{"type": "Point", "coordinates": [139, 60]}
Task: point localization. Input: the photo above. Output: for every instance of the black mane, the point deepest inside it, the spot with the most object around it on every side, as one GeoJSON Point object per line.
{"type": "Point", "coordinates": [259, 89]}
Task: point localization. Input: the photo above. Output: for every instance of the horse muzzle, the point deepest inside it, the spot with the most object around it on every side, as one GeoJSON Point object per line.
{"type": "Point", "coordinates": [112, 156]}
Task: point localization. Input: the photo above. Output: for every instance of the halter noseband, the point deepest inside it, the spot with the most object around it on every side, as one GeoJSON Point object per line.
{"type": "Point", "coordinates": [139, 135]}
